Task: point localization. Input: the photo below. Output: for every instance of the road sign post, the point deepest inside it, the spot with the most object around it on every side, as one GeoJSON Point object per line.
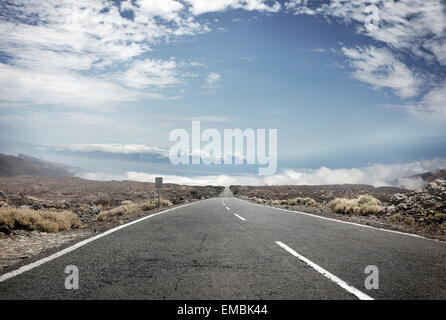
{"type": "Point", "coordinates": [159, 185]}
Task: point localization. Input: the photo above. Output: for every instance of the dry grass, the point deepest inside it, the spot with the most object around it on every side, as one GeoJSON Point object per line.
{"type": "Point", "coordinates": [308, 202]}
{"type": "Point", "coordinates": [41, 220]}
{"type": "Point", "coordinates": [128, 207]}
{"type": "Point", "coordinates": [363, 205]}
{"type": "Point", "coordinates": [165, 203]}
{"type": "Point", "coordinates": [399, 218]}
{"type": "Point", "coordinates": [437, 217]}
{"type": "Point", "coordinates": [148, 205]}
{"type": "Point", "coordinates": [290, 202]}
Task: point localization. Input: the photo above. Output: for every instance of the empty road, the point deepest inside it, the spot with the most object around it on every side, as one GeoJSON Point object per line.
{"type": "Point", "coordinates": [226, 248]}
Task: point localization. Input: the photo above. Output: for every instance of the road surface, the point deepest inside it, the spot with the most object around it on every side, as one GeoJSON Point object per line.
{"type": "Point", "coordinates": [226, 248]}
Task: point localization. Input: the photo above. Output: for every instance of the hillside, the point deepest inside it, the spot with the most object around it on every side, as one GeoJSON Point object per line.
{"type": "Point", "coordinates": [27, 165]}
{"type": "Point", "coordinates": [431, 176]}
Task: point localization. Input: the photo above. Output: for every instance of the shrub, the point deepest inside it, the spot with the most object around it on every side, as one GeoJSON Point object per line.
{"type": "Point", "coordinates": [124, 209]}
{"type": "Point", "coordinates": [308, 202]}
{"type": "Point", "coordinates": [303, 201]}
{"type": "Point", "coordinates": [409, 220]}
{"type": "Point", "coordinates": [128, 207]}
{"type": "Point", "coordinates": [399, 218]}
{"type": "Point", "coordinates": [396, 218]}
{"type": "Point", "coordinates": [439, 217]}
{"type": "Point", "coordinates": [363, 205]}
{"type": "Point", "coordinates": [41, 220]}
{"type": "Point", "coordinates": [165, 203]}
{"type": "Point", "coordinates": [366, 199]}
{"type": "Point", "coordinates": [148, 205]}
{"type": "Point", "coordinates": [126, 203]}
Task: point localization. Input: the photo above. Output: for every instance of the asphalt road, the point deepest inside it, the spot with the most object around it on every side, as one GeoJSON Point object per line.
{"type": "Point", "coordinates": [226, 248]}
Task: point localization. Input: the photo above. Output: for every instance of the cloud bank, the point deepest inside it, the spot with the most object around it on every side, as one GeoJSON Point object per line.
{"type": "Point", "coordinates": [376, 175]}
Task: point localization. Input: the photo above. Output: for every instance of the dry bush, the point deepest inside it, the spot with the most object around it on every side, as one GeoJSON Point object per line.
{"type": "Point", "coordinates": [148, 205]}
{"type": "Point", "coordinates": [368, 200]}
{"type": "Point", "coordinates": [257, 200]}
{"type": "Point", "coordinates": [437, 217]}
{"type": "Point", "coordinates": [41, 220]}
{"type": "Point", "coordinates": [363, 205]}
{"type": "Point", "coordinates": [165, 203]}
{"type": "Point", "coordinates": [124, 209]}
{"type": "Point", "coordinates": [399, 218]}
{"type": "Point", "coordinates": [308, 202]}
{"type": "Point", "coordinates": [128, 207]}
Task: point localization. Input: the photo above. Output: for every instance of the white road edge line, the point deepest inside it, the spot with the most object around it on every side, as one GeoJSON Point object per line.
{"type": "Point", "coordinates": [227, 208]}
{"type": "Point", "coordinates": [359, 294]}
{"type": "Point", "coordinates": [82, 243]}
{"type": "Point", "coordinates": [240, 217]}
{"type": "Point", "coordinates": [345, 222]}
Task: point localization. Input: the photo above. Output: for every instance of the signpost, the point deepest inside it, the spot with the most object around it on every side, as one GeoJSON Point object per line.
{"type": "Point", "coordinates": [159, 185]}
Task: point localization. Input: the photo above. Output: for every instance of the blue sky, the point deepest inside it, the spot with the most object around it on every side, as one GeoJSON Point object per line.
{"type": "Point", "coordinates": [342, 96]}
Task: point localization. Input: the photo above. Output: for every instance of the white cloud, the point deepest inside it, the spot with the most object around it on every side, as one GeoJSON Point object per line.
{"type": "Point", "coordinates": [380, 68]}
{"type": "Point", "coordinates": [438, 48]}
{"type": "Point", "coordinates": [203, 6]}
{"type": "Point", "coordinates": [149, 72]}
{"type": "Point", "coordinates": [402, 24]}
{"type": "Point", "coordinates": [377, 175]}
{"type": "Point", "coordinates": [213, 78]}
{"type": "Point", "coordinates": [207, 118]}
{"type": "Point", "coordinates": [414, 28]}
{"type": "Point", "coordinates": [166, 9]}
{"type": "Point", "coordinates": [19, 85]}
{"type": "Point", "coordinates": [68, 52]}
{"type": "Point", "coordinates": [119, 148]}
{"type": "Point", "coordinates": [432, 105]}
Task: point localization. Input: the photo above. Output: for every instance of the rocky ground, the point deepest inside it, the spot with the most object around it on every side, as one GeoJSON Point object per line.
{"type": "Point", "coordinates": [87, 199]}
{"type": "Point", "coordinates": [321, 194]}
{"type": "Point", "coordinates": [422, 211]}
{"type": "Point", "coordinates": [23, 245]}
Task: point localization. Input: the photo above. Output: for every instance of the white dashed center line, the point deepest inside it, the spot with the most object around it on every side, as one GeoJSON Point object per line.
{"type": "Point", "coordinates": [240, 217]}
{"type": "Point", "coordinates": [361, 295]}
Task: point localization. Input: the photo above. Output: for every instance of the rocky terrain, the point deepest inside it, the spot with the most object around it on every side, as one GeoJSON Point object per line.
{"type": "Point", "coordinates": [97, 205]}
{"type": "Point", "coordinates": [426, 206]}
{"type": "Point", "coordinates": [87, 198]}
{"type": "Point", "coordinates": [422, 211]}
{"type": "Point", "coordinates": [321, 194]}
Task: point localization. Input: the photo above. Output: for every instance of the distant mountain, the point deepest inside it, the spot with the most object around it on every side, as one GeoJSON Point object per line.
{"type": "Point", "coordinates": [26, 165]}
{"type": "Point", "coordinates": [430, 176]}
